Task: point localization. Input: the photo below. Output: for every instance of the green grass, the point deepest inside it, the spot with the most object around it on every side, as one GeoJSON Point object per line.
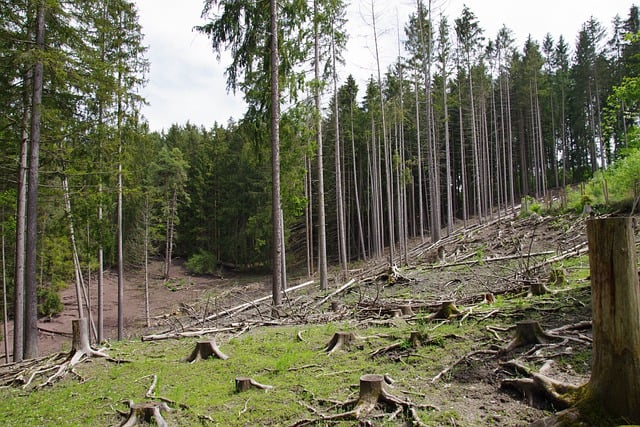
{"type": "Point", "coordinates": [300, 371]}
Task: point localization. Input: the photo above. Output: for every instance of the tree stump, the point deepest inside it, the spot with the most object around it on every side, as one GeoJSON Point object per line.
{"type": "Point", "coordinates": [144, 412]}
{"type": "Point", "coordinates": [415, 339]}
{"type": "Point", "coordinates": [246, 383]}
{"type": "Point", "coordinates": [528, 332]}
{"type": "Point", "coordinates": [371, 390]}
{"type": "Point", "coordinates": [407, 310]}
{"type": "Point", "coordinates": [205, 350]}
{"type": "Point", "coordinates": [339, 340]}
{"type": "Point", "coordinates": [488, 298]}
{"type": "Point", "coordinates": [446, 311]}
{"type": "Point", "coordinates": [615, 290]}
{"type": "Point", "coordinates": [538, 288]}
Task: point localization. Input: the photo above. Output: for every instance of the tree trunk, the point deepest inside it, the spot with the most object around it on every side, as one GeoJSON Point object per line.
{"type": "Point", "coordinates": [277, 260]}
{"type": "Point", "coordinates": [322, 233]}
{"type": "Point", "coordinates": [31, 284]}
{"type": "Point", "coordinates": [5, 317]}
{"type": "Point", "coordinates": [615, 370]}
{"type": "Point", "coordinates": [389, 184]}
{"type": "Point", "coordinates": [147, 213]}
{"type": "Point", "coordinates": [342, 232]}
{"type": "Point", "coordinates": [18, 296]}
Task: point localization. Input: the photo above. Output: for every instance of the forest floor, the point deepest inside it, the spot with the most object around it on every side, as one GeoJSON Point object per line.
{"type": "Point", "coordinates": [487, 270]}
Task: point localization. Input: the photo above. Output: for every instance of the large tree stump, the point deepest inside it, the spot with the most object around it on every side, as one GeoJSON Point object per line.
{"type": "Point", "coordinates": [205, 350]}
{"type": "Point", "coordinates": [528, 332]}
{"type": "Point", "coordinates": [339, 340]}
{"type": "Point", "coordinates": [144, 412]}
{"type": "Point", "coordinates": [615, 290]}
{"type": "Point", "coordinates": [371, 390]}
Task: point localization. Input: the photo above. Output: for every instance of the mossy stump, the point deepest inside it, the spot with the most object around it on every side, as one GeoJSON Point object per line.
{"type": "Point", "coordinates": [446, 311]}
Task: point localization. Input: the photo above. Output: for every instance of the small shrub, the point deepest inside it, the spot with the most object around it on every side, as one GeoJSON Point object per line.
{"type": "Point", "coordinates": [49, 303]}
{"type": "Point", "coordinates": [202, 263]}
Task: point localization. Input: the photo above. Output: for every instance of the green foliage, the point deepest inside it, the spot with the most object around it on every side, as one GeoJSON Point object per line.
{"type": "Point", "coordinates": [617, 185]}
{"type": "Point", "coordinates": [202, 263]}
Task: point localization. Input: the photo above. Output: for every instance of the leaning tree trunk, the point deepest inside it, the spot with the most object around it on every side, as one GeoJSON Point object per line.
{"type": "Point", "coordinates": [615, 373]}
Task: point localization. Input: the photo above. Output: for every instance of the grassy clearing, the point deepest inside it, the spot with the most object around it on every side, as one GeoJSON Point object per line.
{"type": "Point", "coordinates": [303, 375]}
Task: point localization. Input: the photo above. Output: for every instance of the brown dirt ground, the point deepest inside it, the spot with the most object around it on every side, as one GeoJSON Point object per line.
{"type": "Point", "coordinates": [167, 298]}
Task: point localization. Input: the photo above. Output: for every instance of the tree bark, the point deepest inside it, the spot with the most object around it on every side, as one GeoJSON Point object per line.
{"type": "Point", "coordinates": [18, 296]}
{"type": "Point", "coordinates": [275, 160]}
{"type": "Point", "coordinates": [322, 239]}
{"type": "Point", "coordinates": [615, 370]}
{"type": "Point", "coordinates": [31, 284]}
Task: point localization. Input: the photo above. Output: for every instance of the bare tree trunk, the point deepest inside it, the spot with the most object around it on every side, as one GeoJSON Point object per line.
{"type": "Point", "coordinates": [447, 148]}
{"type": "Point", "coordinates": [170, 231]}
{"type": "Point", "coordinates": [463, 164]}
{"type": "Point", "coordinates": [31, 283]}
{"type": "Point", "coordinates": [615, 373]}
{"type": "Point", "coordinates": [146, 261]}
{"type": "Point", "coordinates": [18, 281]}
{"type": "Point", "coordinates": [100, 277]}
{"type": "Point", "coordinates": [5, 317]}
{"type": "Point", "coordinates": [512, 181]}
{"type": "Point", "coordinates": [81, 291]}
{"type": "Point", "coordinates": [342, 233]}
{"type": "Point", "coordinates": [275, 160]}
{"type": "Point", "coordinates": [355, 183]}
{"type": "Point", "coordinates": [322, 230]}
{"type": "Point", "coordinates": [419, 160]}
{"type": "Point", "coordinates": [308, 191]}
{"type": "Point", "coordinates": [389, 175]}
{"type": "Point", "coordinates": [120, 248]}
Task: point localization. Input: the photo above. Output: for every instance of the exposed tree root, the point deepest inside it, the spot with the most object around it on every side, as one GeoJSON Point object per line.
{"type": "Point", "coordinates": [539, 388]}
{"type": "Point", "coordinates": [56, 366]}
{"type": "Point", "coordinates": [373, 395]}
{"type": "Point", "coordinates": [245, 383]}
{"type": "Point", "coordinates": [205, 350]}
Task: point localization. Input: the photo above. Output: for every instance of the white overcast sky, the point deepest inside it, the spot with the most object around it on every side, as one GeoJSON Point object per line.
{"type": "Point", "coordinates": [187, 83]}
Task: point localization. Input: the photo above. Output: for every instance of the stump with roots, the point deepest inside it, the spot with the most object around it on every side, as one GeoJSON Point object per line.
{"type": "Point", "coordinates": [205, 350]}
{"type": "Point", "coordinates": [143, 413]}
{"type": "Point", "coordinates": [446, 311]}
{"type": "Point", "coordinates": [406, 310]}
{"type": "Point", "coordinates": [340, 340]}
{"type": "Point", "coordinates": [80, 348]}
{"type": "Point", "coordinates": [488, 298]}
{"type": "Point", "coordinates": [246, 383]}
{"type": "Point", "coordinates": [538, 288]}
{"type": "Point", "coordinates": [528, 332]}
